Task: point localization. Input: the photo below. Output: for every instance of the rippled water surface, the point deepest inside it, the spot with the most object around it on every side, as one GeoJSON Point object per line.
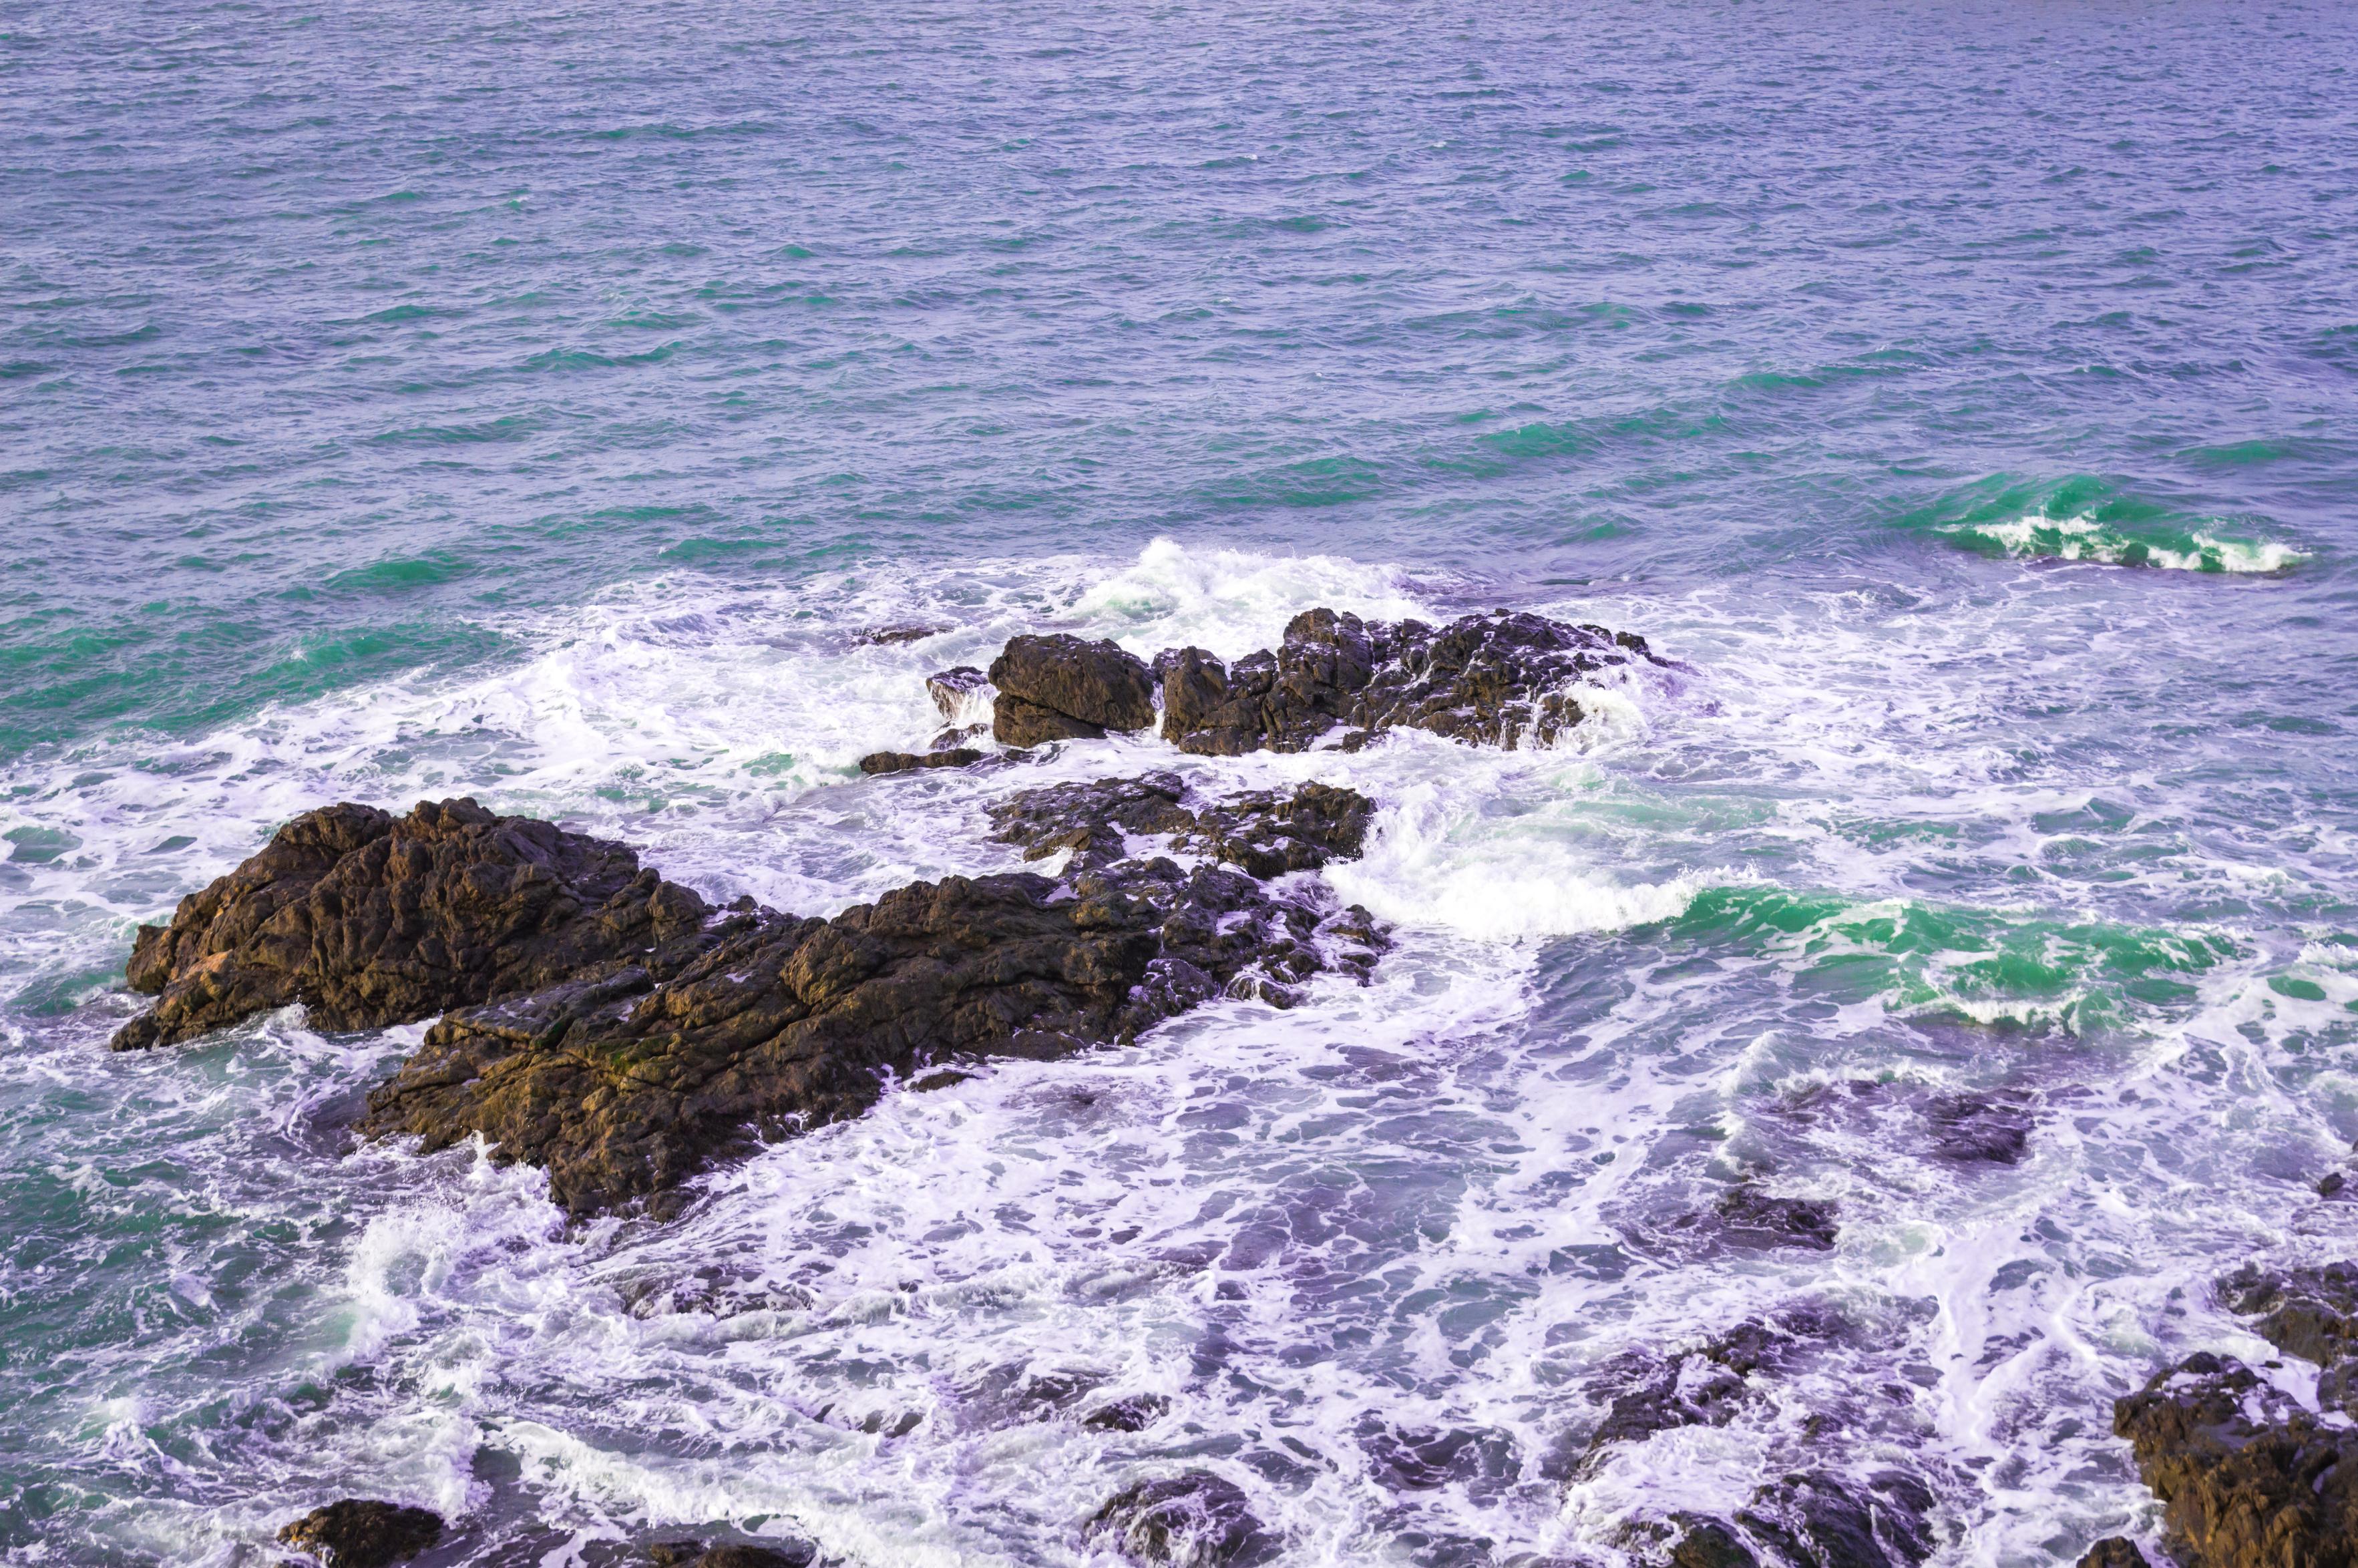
{"type": "Point", "coordinates": [536, 403]}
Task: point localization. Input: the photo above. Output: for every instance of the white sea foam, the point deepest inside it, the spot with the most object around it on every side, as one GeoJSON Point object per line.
{"type": "Point", "coordinates": [2084, 537]}
{"type": "Point", "coordinates": [1442, 1205]}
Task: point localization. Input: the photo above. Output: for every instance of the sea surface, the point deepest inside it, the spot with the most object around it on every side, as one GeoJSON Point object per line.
{"type": "Point", "coordinates": [535, 402]}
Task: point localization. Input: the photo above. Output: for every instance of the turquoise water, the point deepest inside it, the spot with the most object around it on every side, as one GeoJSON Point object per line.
{"type": "Point", "coordinates": [536, 403]}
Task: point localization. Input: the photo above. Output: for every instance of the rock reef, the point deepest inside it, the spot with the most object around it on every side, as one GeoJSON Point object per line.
{"type": "Point", "coordinates": [1501, 680]}
{"type": "Point", "coordinates": [369, 920]}
{"type": "Point", "coordinates": [614, 1028]}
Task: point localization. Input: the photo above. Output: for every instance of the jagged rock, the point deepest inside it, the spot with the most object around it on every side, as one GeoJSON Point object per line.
{"type": "Point", "coordinates": [2113, 1551]}
{"type": "Point", "coordinates": [1191, 1521]}
{"type": "Point", "coordinates": [1821, 1520]}
{"type": "Point", "coordinates": [1132, 1413]}
{"type": "Point", "coordinates": [950, 740]}
{"type": "Point", "coordinates": [1814, 1519]}
{"type": "Point", "coordinates": [1702, 1386]}
{"type": "Point", "coordinates": [696, 1554]}
{"type": "Point", "coordinates": [885, 636]}
{"type": "Point", "coordinates": [1268, 832]}
{"type": "Point", "coordinates": [371, 920]}
{"type": "Point", "coordinates": [1751, 1219]}
{"type": "Point", "coordinates": [1994, 1128]}
{"type": "Point", "coordinates": [958, 691]}
{"type": "Point", "coordinates": [622, 1086]}
{"type": "Point", "coordinates": [360, 1533]}
{"type": "Point", "coordinates": [2247, 1477]}
{"type": "Point", "coordinates": [1495, 679]}
{"type": "Point", "coordinates": [908, 761]}
{"type": "Point", "coordinates": [1061, 687]}
{"type": "Point", "coordinates": [2310, 1313]}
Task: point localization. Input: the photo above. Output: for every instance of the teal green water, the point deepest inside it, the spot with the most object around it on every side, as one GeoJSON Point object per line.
{"type": "Point", "coordinates": [539, 405]}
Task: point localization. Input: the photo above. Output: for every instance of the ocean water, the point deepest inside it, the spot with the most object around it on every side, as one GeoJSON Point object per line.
{"type": "Point", "coordinates": [406, 400]}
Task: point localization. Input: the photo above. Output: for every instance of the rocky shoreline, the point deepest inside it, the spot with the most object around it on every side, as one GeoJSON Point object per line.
{"type": "Point", "coordinates": [618, 1031]}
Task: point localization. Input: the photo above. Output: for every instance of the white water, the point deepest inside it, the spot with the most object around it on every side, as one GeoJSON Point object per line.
{"type": "Point", "coordinates": [1439, 1203]}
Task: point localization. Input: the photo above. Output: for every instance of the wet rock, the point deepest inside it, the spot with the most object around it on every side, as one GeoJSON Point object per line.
{"type": "Point", "coordinates": [623, 1087]}
{"type": "Point", "coordinates": [2113, 1551]}
{"type": "Point", "coordinates": [1500, 679]}
{"type": "Point", "coordinates": [1268, 833]}
{"type": "Point", "coordinates": [2309, 1312]}
{"type": "Point", "coordinates": [950, 740]}
{"type": "Point", "coordinates": [1130, 1412]}
{"type": "Point", "coordinates": [1750, 1219]}
{"type": "Point", "coordinates": [1814, 1519]}
{"type": "Point", "coordinates": [1059, 688]}
{"type": "Point", "coordinates": [696, 1554]}
{"type": "Point", "coordinates": [1191, 1521]}
{"type": "Point", "coordinates": [959, 692]}
{"type": "Point", "coordinates": [1821, 1520]}
{"type": "Point", "coordinates": [370, 920]}
{"type": "Point", "coordinates": [885, 636]}
{"type": "Point", "coordinates": [2247, 1477]}
{"type": "Point", "coordinates": [907, 761]}
{"type": "Point", "coordinates": [1482, 1458]}
{"type": "Point", "coordinates": [1992, 1129]}
{"type": "Point", "coordinates": [2330, 1182]}
{"type": "Point", "coordinates": [360, 1533]}
{"type": "Point", "coordinates": [1704, 1385]}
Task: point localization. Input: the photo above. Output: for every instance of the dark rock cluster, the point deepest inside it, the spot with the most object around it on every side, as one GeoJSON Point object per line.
{"type": "Point", "coordinates": [360, 1533]}
{"type": "Point", "coordinates": [1194, 1519]}
{"type": "Point", "coordinates": [369, 920]}
{"type": "Point", "coordinates": [2248, 1477]}
{"type": "Point", "coordinates": [612, 1028]}
{"type": "Point", "coordinates": [1494, 679]}
{"type": "Point", "coordinates": [1812, 1519]}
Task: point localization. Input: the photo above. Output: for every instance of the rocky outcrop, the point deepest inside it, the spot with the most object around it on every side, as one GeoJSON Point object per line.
{"type": "Point", "coordinates": [1811, 1520]}
{"type": "Point", "coordinates": [2113, 1551]}
{"type": "Point", "coordinates": [1268, 833]}
{"type": "Point", "coordinates": [625, 1080]}
{"type": "Point", "coordinates": [2310, 1313]}
{"type": "Point", "coordinates": [360, 1533]}
{"type": "Point", "coordinates": [877, 762]}
{"type": "Point", "coordinates": [1194, 1520]}
{"type": "Point", "coordinates": [1061, 687]}
{"type": "Point", "coordinates": [2248, 1477]}
{"type": "Point", "coordinates": [370, 920]}
{"type": "Point", "coordinates": [1500, 679]}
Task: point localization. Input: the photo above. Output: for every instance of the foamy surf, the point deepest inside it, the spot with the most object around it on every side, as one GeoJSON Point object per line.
{"type": "Point", "coordinates": [2086, 537]}
{"type": "Point", "coordinates": [1375, 1257]}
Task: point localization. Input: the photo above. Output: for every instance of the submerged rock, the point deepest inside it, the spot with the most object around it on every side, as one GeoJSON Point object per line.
{"type": "Point", "coordinates": [1705, 1385]}
{"type": "Point", "coordinates": [360, 1533]}
{"type": "Point", "coordinates": [907, 761]}
{"type": "Point", "coordinates": [1191, 1521]}
{"type": "Point", "coordinates": [1497, 679]}
{"type": "Point", "coordinates": [1992, 1129]}
{"type": "Point", "coordinates": [696, 1554]}
{"type": "Point", "coordinates": [624, 1082]}
{"type": "Point", "coordinates": [1813, 1519]}
{"type": "Point", "coordinates": [1061, 687]}
{"type": "Point", "coordinates": [1750, 1219]}
{"type": "Point", "coordinates": [371, 920]}
{"type": "Point", "coordinates": [2247, 1477]}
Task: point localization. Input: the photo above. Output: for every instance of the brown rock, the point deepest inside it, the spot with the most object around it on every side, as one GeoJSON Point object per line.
{"type": "Point", "coordinates": [2247, 1477]}
{"type": "Point", "coordinates": [358, 1533]}
{"type": "Point", "coordinates": [908, 761]}
{"type": "Point", "coordinates": [954, 690]}
{"type": "Point", "coordinates": [622, 1086]}
{"type": "Point", "coordinates": [1495, 679]}
{"type": "Point", "coordinates": [2113, 1551]}
{"type": "Point", "coordinates": [1093, 685]}
{"type": "Point", "coordinates": [1268, 833]}
{"type": "Point", "coordinates": [371, 920]}
{"type": "Point", "coordinates": [1018, 722]}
